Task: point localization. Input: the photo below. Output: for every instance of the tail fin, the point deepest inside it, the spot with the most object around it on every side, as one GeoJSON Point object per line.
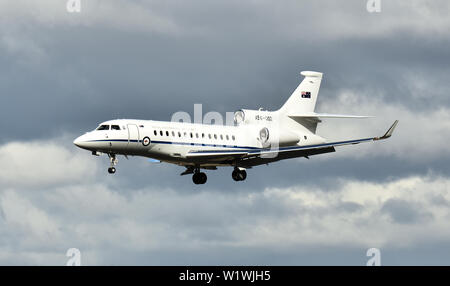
{"type": "Point", "coordinates": [304, 97]}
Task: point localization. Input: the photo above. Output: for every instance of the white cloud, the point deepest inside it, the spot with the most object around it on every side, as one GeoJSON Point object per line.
{"type": "Point", "coordinates": [353, 213]}
{"type": "Point", "coordinates": [420, 135]}
{"type": "Point", "coordinates": [43, 163]}
{"type": "Point", "coordinates": [23, 217]}
{"type": "Point", "coordinates": [108, 223]}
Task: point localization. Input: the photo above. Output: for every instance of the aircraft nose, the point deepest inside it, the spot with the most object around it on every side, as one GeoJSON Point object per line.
{"type": "Point", "coordinates": [80, 142]}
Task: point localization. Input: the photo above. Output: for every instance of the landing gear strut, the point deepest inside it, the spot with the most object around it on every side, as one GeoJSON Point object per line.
{"type": "Point", "coordinates": [199, 178]}
{"type": "Point", "coordinates": [114, 161]}
{"type": "Point", "coordinates": [238, 174]}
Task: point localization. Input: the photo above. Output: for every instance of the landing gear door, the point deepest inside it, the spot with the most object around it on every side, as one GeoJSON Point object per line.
{"type": "Point", "coordinates": [133, 135]}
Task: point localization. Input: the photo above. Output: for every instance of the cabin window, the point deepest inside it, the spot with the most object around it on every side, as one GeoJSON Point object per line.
{"type": "Point", "coordinates": [185, 134]}
{"type": "Point", "coordinates": [305, 137]}
{"type": "Point", "coordinates": [167, 133]}
{"type": "Point", "coordinates": [196, 135]}
{"type": "Point", "coordinates": [228, 138]}
{"type": "Point", "coordinates": [115, 127]}
{"type": "Point", "coordinates": [103, 127]}
{"type": "Point", "coordinates": [173, 133]}
{"type": "Point", "coordinates": [179, 134]}
{"type": "Point", "coordinates": [215, 136]}
{"type": "Point", "coordinates": [221, 137]}
{"type": "Point", "coordinates": [160, 132]}
{"type": "Point", "coordinates": [154, 132]}
{"type": "Point", "coordinates": [203, 135]}
{"type": "Point", "coordinates": [191, 135]}
{"type": "Point", "coordinates": [209, 136]}
{"type": "Point", "coordinates": [232, 137]}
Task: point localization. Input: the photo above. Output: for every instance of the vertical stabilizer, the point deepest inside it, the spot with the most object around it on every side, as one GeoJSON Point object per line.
{"type": "Point", "coordinates": [304, 97]}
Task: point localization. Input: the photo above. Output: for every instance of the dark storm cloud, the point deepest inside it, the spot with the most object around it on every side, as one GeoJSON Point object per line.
{"type": "Point", "coordinates": [239, 57]}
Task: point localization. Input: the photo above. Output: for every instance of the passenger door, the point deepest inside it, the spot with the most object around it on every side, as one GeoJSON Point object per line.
{"type": "Point", "coordinates": [133, 135]}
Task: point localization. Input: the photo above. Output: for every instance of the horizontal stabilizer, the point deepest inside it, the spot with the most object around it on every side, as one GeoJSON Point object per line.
{"type": "Point", "coordinates": [326, 115]}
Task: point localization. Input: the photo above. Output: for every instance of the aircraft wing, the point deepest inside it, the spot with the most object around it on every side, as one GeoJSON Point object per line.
{"type": "Point", "coordinates": [219, 155]}
{"type": "Point", "coordinates": [223, 155]}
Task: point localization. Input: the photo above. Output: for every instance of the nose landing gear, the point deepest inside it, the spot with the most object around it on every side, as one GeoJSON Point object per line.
{"type": "Point", "coordinates": [239, 175]}
{"type": "Point", "coordinates": [114, 161]}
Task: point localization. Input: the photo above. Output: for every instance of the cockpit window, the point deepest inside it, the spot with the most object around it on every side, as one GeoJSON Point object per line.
{"type": "Point", "coordinates": [103, 127]}
{"type": "Point", "coordinates": [115, 127]}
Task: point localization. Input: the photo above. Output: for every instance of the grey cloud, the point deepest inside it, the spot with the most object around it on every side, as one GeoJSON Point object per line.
{"type": "Point", "coordinates": [440, 200]}
{"type": "Point", "coordinates": [404, 212]}
{"type": "Point", "coordinates": [151, 226]}
{"type": "Point", "coordinates": [2, 214]}
{"type": "Point", "coordinates": [350, 207]}
{"type": "Point", "coordinates": [61, 76]}
{"type": "Point", "coordinates": [104, 72]}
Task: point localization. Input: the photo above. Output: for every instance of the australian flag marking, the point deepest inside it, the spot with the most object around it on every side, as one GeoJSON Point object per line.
{"type": "Point", "coordinates": [306, 94]}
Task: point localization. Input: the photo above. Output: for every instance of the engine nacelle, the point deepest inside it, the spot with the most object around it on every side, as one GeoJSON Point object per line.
{"type": "Point", "coordinates": [270, 133]}
{"type": "Point", "coordinates": [274, 137]}
{"type": "Point", "coordinates": [264, 138]}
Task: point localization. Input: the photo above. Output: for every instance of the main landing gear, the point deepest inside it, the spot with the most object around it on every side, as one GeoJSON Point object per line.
{"type": "Point", "coordinates": [199, 178]}
{"type": "Point", "coordinates": [114, 161]}
{"type": "Point", "coordinates": [239, 174]}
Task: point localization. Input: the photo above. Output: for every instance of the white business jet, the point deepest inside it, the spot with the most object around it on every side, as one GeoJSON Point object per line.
{"type": "Point", "coordinates": [257, 137]}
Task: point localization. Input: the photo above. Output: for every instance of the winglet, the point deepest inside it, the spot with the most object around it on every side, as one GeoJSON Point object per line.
{"type": "Point", "coordinates": [388, 133]}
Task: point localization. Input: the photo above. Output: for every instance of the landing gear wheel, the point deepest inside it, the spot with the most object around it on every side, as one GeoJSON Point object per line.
{"type": "Point", "coordinates": [234, 175]}
{"type": "Point", "coordinates": [203, 178]}
{"type": "Point", "coordinates": [195, 178]}
{"type": "Point", "coordinates": [199, 178]}
{"type": "Point", "coordinates": [243, 175]}
{"type": "Point", "coordinates": [239, 175]}
{"type": "Point", "coordinates": [114, 161]}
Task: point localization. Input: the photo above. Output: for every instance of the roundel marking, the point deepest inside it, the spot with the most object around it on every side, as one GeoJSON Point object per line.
{"type": "Point", "coordinates": [146, 141]}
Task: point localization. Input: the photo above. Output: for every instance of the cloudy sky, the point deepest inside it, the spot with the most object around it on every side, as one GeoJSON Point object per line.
{"type": "Point", "coordinates": [63, 73]}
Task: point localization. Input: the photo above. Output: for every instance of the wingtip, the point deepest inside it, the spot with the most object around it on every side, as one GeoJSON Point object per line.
{"type": "Point", "coordinates": [389, 132]}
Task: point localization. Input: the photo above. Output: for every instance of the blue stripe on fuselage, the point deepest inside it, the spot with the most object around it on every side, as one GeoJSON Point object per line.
{"type": "Point", "coordinates": [245, 148]}
{"type": "Point", "coordinates": [177, 143]}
